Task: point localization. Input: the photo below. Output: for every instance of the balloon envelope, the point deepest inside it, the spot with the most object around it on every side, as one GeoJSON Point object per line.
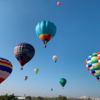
{"type": "Point", "coordinates": [89, 66]}
{"type": "Point", "coordinates": [45, 30]}
{"type": "Point", "coordinates": [62, 82]}
{"type": "Point", "coordinates": [58, 3]}
{"type": "Point", "coordinates": [5, 69]}
{"type": "Point", "coordinates": [25, 77]}
{"type": "Point", "coordinates": [93, 65]}
{"type": "Point", "coordinates": [36, 70]}
{"type": "Point", "coordinates": [51, 89]}
{"type": "Point", "coordinates": [55, 58]}
{"type": "Point", "coordinates": [24, 52]}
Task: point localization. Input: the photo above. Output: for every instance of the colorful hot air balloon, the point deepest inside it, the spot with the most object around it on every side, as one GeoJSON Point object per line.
{"type": "Point", "coordinates": [94, 65]}
{"type": "Point", "coordinates": [55, 58]}
{"type": "Point", "coordinates": [62, 82]}
{"type": "Point", "coordinates": [24, 52]}
{"type": "Point", "coordinates": [25, 77]}
{"type": "Point", "coordinates": [36, 70]}
{"type": "Point", "coordinates": [58, 3]}
{"type": "Point", "coordinates": [5, 69]}
{"type": "Point", "coordinates": [89, 66]}
{"type": "Point", "coordinates": [45, 30]}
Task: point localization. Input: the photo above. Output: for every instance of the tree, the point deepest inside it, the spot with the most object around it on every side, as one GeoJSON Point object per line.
{"type": "Point", "coordinates": [61, 98]}
{"type": "Point", "coordinates": [39, 98]}
{"type": "Point", "coordinates": [28, 98]}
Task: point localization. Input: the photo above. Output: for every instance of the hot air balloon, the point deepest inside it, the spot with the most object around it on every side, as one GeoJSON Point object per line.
{"type": "Point", "coordinates": [62, 82]}
{"type": "Point", "coordinates": [58, 3]}
{"type": "Point", "coordinates": [25, 77]}
{"type": "Point", "coordinates": [45, 30]}
{"type": "Point", "coordinates": [55, 58]}
{"type": "Point", "coordinates": [24, 52]}
{"type": "Point", "coordinates": [51, 89]}
{"type": "Point", "coordinates": [36, 70]}
{"type": "Point", "coordinates": [5, 69]}
{"type": "Point", "coordinates": [89, 66]}
{"type": "Point", "coordinates": [93, 65]}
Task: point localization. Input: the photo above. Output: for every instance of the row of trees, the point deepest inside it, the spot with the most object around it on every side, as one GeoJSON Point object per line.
{"type": "Point", "coordinates": [8, 97]}
{"type": "Point", "coordinates": [12, 97]}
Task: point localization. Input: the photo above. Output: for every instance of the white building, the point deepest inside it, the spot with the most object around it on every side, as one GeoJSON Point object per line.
{"type": "Point", "coordinates": [84, 97]}
{"type": "Point", "coordinates": [20, 97]}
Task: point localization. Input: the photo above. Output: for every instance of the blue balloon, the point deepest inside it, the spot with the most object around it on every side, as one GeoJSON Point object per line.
{"type": "Point", "coordinates": [45, 30]}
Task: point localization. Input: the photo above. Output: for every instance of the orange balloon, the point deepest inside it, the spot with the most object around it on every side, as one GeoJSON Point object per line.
{"type": "Point", "coordinates": [58, 3]}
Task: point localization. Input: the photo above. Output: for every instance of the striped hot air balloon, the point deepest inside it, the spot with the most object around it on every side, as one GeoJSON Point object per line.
{"type": "Point", "coordinates": [93, 65]}
{"type": "Point", "coordinates": [24, 52]}
{"type": "Point", "coordinates": [5, 69]}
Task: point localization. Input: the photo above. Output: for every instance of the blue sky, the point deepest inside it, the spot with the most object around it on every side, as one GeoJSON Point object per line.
{"type": "Point", "coordinates": [78, 24]}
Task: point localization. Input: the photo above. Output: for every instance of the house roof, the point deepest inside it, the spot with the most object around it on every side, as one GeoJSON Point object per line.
{"type": "Point", "coordinates": [84, 97]}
